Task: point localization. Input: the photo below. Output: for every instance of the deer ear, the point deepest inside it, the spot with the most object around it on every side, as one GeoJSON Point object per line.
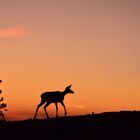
{"type": "Point", "coordinates": [70, 86]}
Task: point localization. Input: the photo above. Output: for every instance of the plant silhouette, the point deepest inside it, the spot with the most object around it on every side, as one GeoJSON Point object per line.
{"type": "Point", "coordinates": [2, 106]}
{"type": "Point", "coordinates": [53, 97]}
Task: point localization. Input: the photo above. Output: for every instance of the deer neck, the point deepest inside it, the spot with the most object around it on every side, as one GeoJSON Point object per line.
{"type": "Point", "coordinates": [64, 92]}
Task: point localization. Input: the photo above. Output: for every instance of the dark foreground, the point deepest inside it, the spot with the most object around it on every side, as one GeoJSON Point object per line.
{"type": "Point", "coordinates": [106, 126]}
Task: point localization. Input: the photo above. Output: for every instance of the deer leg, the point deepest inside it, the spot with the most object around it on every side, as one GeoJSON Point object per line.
{"type": "Point", "coordinates": [42, 102]}
{"type": "Point", "coordinates": [64, 108]}
{"type": "Point", "coordinates": [56, 109]}
{"type": "Point", "coordinates": [47, 104]}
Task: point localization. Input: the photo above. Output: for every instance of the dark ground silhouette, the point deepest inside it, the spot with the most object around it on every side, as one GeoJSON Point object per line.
{"type": "Point", "coordinates": [124, 125]}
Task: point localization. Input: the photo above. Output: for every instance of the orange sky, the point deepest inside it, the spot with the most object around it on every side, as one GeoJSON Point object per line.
{"type": "Point", "coordinates": [47, 44]}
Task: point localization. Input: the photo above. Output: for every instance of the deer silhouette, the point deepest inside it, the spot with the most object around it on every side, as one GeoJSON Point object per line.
{"type": "Point", "coordinates": [53, 97]}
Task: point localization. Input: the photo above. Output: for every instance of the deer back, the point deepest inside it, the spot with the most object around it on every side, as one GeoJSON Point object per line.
{"type": "Point", "coordinates": [53, 97]}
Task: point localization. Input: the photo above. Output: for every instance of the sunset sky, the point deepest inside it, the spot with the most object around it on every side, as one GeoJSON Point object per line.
{"type": "Point", "coordinates": [46, 45]}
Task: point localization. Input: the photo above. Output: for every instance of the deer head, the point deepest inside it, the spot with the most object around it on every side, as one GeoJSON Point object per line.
{"type": "Point", "coordinates": [68, 90]}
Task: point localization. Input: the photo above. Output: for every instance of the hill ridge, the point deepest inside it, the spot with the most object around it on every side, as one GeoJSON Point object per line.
{"type": "Point", "coordinates": [107, 125]}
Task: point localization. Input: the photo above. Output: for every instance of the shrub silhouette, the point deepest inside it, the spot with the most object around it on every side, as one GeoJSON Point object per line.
{"type": "Point", "coordinates": [2, 106]}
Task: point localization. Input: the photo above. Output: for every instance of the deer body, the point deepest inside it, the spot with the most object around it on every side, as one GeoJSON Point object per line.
{"type": "Point", "coordinates": [53, 97]}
